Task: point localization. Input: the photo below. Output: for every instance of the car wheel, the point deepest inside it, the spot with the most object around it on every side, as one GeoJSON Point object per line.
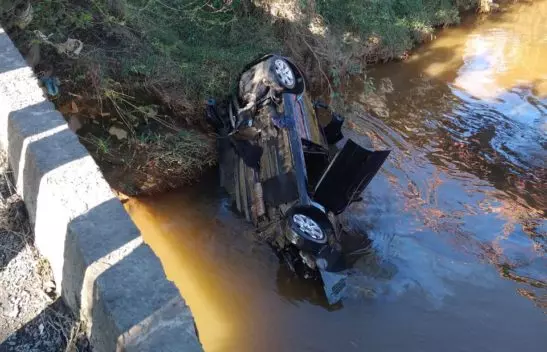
{"type": "Point", "coordinates": [284, 73]}
{"type": "Point", "coordinates": [309, 228]}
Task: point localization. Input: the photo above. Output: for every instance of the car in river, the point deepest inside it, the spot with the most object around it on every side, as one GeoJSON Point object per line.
{"type": "Point", "coordinates": [287, 173]}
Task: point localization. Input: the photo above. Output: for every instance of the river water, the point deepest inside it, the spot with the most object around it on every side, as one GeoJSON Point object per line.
{"type": "Point", "coordinates": [456, 216]}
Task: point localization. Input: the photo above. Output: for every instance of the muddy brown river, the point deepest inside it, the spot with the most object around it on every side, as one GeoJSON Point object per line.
{"type": "Point", "coordinates": [457, 216]}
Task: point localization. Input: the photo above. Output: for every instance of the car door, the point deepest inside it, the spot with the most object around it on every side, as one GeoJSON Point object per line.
{"type": "Point", "coordinates": [346, 177]}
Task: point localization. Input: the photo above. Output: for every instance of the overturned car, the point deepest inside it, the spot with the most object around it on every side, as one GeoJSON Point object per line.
{"type": "Point", "coordinates": [282, 168]}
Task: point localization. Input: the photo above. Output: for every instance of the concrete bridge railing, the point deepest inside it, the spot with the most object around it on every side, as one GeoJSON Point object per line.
{"type": "Point", "coordinates": [105, 272]}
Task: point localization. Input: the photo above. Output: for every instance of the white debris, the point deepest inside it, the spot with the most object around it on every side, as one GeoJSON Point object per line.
{"type": "Point", "coordinates": [71, 48]}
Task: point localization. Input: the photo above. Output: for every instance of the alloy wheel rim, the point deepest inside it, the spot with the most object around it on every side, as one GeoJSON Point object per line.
{"type": "Point", "coordinates": [308, 227]}
{"type": "Point", "coordinates": [284, 73]}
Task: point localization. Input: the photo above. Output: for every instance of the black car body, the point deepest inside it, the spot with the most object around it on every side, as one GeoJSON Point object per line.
{"type": "Point", "coordinates": [281, 166]}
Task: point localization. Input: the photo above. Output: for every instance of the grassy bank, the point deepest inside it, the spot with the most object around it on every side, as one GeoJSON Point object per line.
{"type": "Point", "coordinates": [395, 26]}
{"type": "Point", "coordinates": [180, 51]}
{"type": "Point", "coordinates": [135, 91]}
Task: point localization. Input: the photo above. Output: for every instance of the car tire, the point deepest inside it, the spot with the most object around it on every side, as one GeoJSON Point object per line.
{"type": "Point", "coordinates": [312, 225]}
{"type": "Point", "coordinates": [283, 73]}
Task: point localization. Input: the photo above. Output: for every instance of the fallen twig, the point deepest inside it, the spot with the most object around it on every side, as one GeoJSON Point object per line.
{"type": "Point", "coordinates": [331, 90]}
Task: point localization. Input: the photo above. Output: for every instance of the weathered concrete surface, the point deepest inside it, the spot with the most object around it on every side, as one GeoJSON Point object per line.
{"type": "Point", "coordinates": [106, 272]}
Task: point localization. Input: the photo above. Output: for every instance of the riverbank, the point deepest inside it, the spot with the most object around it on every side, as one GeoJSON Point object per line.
{"type": "Point", "coordinates": [131, 76]}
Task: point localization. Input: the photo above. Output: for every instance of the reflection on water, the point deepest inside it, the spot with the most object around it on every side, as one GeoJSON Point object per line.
{"type": "Point", "coordinates": [467, 119]}
{"type": "Point", "coordinates": [457, 215]}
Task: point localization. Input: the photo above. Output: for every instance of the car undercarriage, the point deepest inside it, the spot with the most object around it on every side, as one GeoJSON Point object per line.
{"type": "Point", "coordinates": [286, 173]}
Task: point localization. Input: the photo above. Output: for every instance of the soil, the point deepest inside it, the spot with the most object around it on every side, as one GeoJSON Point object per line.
{"type": "Point", "coordinates": [132, 158]}
{"type": "Point", "coordinates": [129, 122]}
{"type": "Point", "coordinates": [32, 315]}
{"type": "Point", "coordinates": [127, 125]}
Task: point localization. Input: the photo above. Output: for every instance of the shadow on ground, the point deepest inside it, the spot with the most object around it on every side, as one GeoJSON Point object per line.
{"type": "Point", "coordinates": [50, 331]}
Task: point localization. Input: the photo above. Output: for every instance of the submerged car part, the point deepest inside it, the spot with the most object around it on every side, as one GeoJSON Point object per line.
{"type": "Point", "coordinates": [308, 228]}
{"type": "Point", "coordinates": [348, 174]}
{"type": "Point", "coordinates": [277, 163]}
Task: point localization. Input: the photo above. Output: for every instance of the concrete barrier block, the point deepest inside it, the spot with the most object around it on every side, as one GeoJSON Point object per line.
{"type": "Point", "coordinates": [104, 270]}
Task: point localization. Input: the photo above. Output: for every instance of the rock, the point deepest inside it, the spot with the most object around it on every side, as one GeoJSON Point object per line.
{"type": "Point", "coordinates": [74, 123]}
{"type": "Point", "coordinates": [14, 312]}
{"type": "Point", "coordinates": [33, 55]}
{"type": "Point", "coordinates": [49, 287]}
{"type": "Point", "coordinates": [386, 85]}
{"type": "Point", "coordinates": [120, 133]}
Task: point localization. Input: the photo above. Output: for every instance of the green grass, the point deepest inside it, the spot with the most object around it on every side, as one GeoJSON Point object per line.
{"type": "Point", "coordinates": [152, 62]}
{"type": "Point", "coordinates": [200, 45]}
{"type": "Point", "coordinates": [399, 24]}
